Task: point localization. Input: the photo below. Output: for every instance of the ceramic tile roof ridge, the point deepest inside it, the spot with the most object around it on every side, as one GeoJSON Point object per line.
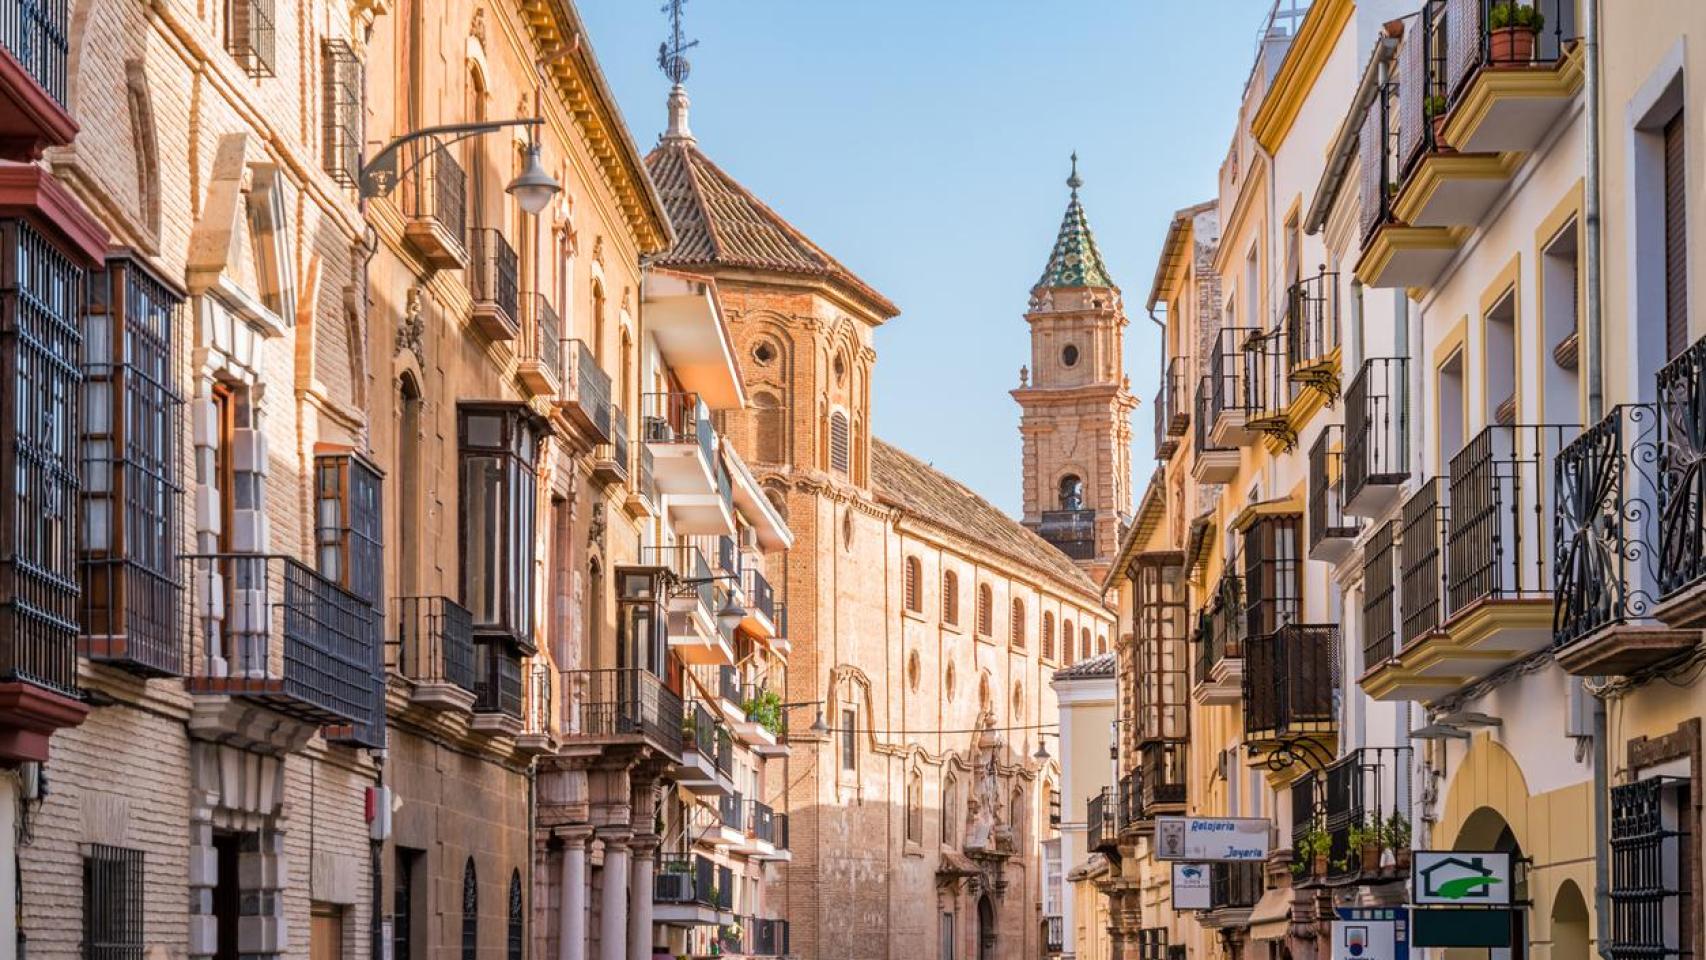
{"type": "Point", "coordinates": [1098, 667]}
{"type": "Point", "coordinates": [780, 245]}
{"type": "Point", "coordinates": [900, 480]}
{"type": "Point", "coordinates": [1075, 261]}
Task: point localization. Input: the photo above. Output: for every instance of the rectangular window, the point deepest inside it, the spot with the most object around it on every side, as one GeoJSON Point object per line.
{"type": "Point", "coordinates": [250, 35]}
{"type": "Point", "coordinates": [348, 524]}
{"type": "Point", "coordinates": [499, 449]}
{"type": "Point", "coordinates": [947, 937]}
{"type": "Point", "coordinates": [112, 904]}
{"type": "Point", "coordinates": [1273, 574]}
{"type": "Point", "coordinates": [1651, 893]}
{"type": "Point", "coordinates": [403, 903]}
{"type": "Point", "coordinates": [1676, 238]}
{"type": "Point", "coordinates": [849, 740]}
{"type": "Point", "coordinates": [340, 119]}
{"type": "Point", "coordinates": [131, 419]}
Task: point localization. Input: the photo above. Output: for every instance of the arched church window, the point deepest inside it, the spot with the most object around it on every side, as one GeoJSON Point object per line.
{"type": "Point", "coordinates": [470, 912]}
{"type": "Point", "coordinates": [517, 928]}
{"type": "Point", "coordinates": [1071, 492]}
{"type": "Point", "coordinates": [1084, 645]}
{"type": "Point", "coordinates": [915, 808]}
{"type": "Point", "coordinates": [1017, 623]}
{"type": "Point", "coordinates": [985, 610]}
{"type": "Point", "coordinates": [840, 443]}
{"type": "Point", "coordinates": [950, 598]}
{"type": "Point", "coordinates": [767, 427]}
{"type": "Point", "coordinates": [1101, 643]}
{"type": "Point", "coordinates": [950, 809]}
{"type": "Point", "coordinates": [909, 590]}
{"type": "Point", "coordinates": [1048, 637]}
{"type": "Point", "coordinates": [1066, 647]}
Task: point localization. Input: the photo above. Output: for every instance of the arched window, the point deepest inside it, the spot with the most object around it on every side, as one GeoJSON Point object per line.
{"type": "Point", "coordinates": [767, 428]}
{"type": "Point", "coordinates": [1071, 492]}
{"type": "Point", "coordinates": [470, 913]}
{"type": "Point", "coordinates": [909, 590]}
{"type": "Point", "coordinates": [1101, 644]}
{"type": "Point", "coordinates": [1084, 644]}
{"type": "Point", "coordinates": [840, 438]}
{"type": "Point", "coordinates": [1048, 636]}
{"type": "Point", "coordinates": [409, 460]}
{"type": "Point", "coordinates": [1066, 647]}
{"type": "Point", "coordinates": [1016, 818]}
{"type": "Point", "coordinates": [950, 598]}
{"type": "Point", "coordinates": [950, 809]}
{"type": "Point", "coordinates": [516, 929]}
{"type": "Point", "coordinates": [597, 315]}
{"type": "Point", "coordinates": [985, 610]}
{"type": "Point", "coordinates": [1016, 624]}
{"type": "Point", "coordinates": [915, 808]}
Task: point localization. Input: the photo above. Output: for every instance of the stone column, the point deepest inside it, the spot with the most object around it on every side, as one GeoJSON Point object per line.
{"type": "Point", "coordinates": [571, 895]}
{"type": "Point", "coordinates": [613, 918]}
{"type": "Point", "coordinates": [642, 850]}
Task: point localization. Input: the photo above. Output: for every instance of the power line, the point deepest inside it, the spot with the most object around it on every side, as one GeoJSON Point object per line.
{"type": "Point", "coordinates": [939, 732]}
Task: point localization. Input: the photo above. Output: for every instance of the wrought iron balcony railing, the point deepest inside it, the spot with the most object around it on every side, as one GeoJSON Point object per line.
{"type": "Point", "coordinates": [686, 565]}
{"type": "Point", "coordinates": [678, 418]}
{"type": "Point", "coordinates": [1127, 800]}
{"type": "Point", "coordinates": [1327, 519]}
{"type": "Point", "coordinates": [1272, 389]}
{"type": "Point", "coordinates": [1172, 406]}
{"type": "Point", "coordinates": [1053, 933]}
{"type": "Point", "coordinates": [731, 811]}
{"type": "Point", "coordinates": [1500, 545]}
{"type": "Point", "coordinates": [1376, 434]}
{"type": "Point", "coordinates": [769, 937]}
{"type": "Point", "coordinates": [1607, 524]}
{"type": "Point", "coordinates": [761, 822]}
{"type": "Point", "coordinates": [434, 641]}
{"type": "Point", "coordinates": [542, 343]}
{"type": "Point", "coordinates": [1161, 778]}
{"type": "Point", "coordinates": [1232, 373]}
{"type": "Point", "coordinates": [699, 728]}
{"type": "Point", "coordinates": [759, 593]}
{"type": "Point", "coordinates": [268, 628]}
{"type": "Point", "coordinates": [1221, 626]}
{"type": "Point", "coordinates": [1682, 471]}
{"type": "Point", "coordinates": [625, 703]}
{"type": "Point", "coordinates": [497, 679]}
{"type": "Point", "coordinates": [1072, 531]}
{"type": "Point", "coordinates": [1289, 682]}
{"type": "Point", "coordinates": [1421, 70]}
{"type": "Point", "coordinates": [1202, 419]}
{"type": "Point", "coordinates": [434, 200]}
{"type": "Point", "coordinates": [37, 35]}
{"type": "Point", "coordinates": [1099, 827]}
{"type": "Point", "coordinates": [1379, 622]}
{"type": "Point", "coordinates": [1422, 559]}
{"type": "Point", "coordinates": [685, 878]}
{"type": "Point", "coordinates": [586, 396]}
{"type": "Point", "coordinates": [1361, 802]}
{"type": "Point", "coordinates": [1478, 40]}
{"type": "Point", "coordinates": [1312, 331]}
{"type": "Point", "coordinates": [492, 277]}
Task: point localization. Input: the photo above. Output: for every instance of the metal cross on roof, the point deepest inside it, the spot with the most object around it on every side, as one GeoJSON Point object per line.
{"type": "Point", "coordinates": [672, 53]}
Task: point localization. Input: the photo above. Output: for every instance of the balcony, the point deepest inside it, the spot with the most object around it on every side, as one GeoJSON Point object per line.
{"type": "Point", "coordinates": [434, 649]}
{"type": "Point", "coordinates": [1358, 809]}
{"type": "Point", "coordinates": [1396, 254]}
{"type": "Point", "coordinates": [539, 362]}
{"type": "Point", "coordinates": [34, 50]}
{"type": "Point", "coordinates": [731, 818]}
{"type": "Point", "coordinates": [538, 735]}
{"type": "Point", "coordinates": [1100, 827]}
{"type": "Point", "coordinates": [1331, 532]}
{"type": "Point", "coordinates": [766, 937]}
{"type": "Point", "coordinates": [1508, 88]}
{"type": "Point", "coordinates": [777, 851]}
{"type": "Point", "coordinates": [1288, 686]}
{"type": "Point", "coordinates": [1497, 565]}
{"type": "Point", "coordinates": [1682, 489]}
{"type": "Point", "coordinates": [1211, 463]}
{"type": "Point", "coordinates": [1272, 390]}
{"type": "Point", "coordinates": [695, 635]}
{"type": "Point", "coordinates": [1379, 619]}
{"type": "Point", "coordinates": [684, 890]}
{"type": "Point", "coordinates": [762, 724]}
{"type": "Point", "coordinates": [1172, 407]}
{"type": "Point", "coordinates": [585, 400]}
{"type": "Point", "coordinates": [268, 631]}
{"type": "Point", "coordinates": [707, 751]}
{"type": "Point", "coordinates": [1610, 528]}
{"type": "Point", "coordinates": [626, 707]}
{"type": "Point", "coordinates": [1159, 780]}
{"type": "Point", "coordinates": [1053, 933]}
{"type": "Point", "coordinates": [435, 205]}
{"type": "Point", "coordinates": [759, 822]}
{"type": "Point", "coordinates": [1073, 532]}
{"type": "Point", "coordinates": [610, 461]}
{"type": "Point", "coordinates": [1312, 333]}
{"type": "Point", "coordinates": [1219, 678]}
{"type": "Point", "coordinates": [498, 694]}
{"type": "Point", "coordinates": [1232, 380]}
{"type": "Point", "coordinates": [643, 497]}
{"type": "Point", "coordinates": [1376, 437]}
{"type": "Point", "coordinates": [760, 604]}
{"type": "Point", "coordinates": [678, 431]}
{"type": "Point", "coordinates": [492, 282]}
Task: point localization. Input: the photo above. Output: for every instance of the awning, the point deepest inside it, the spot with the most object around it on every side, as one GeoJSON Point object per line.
{"type": "Point", "coordinates": [1266, 508]}
{"type": "Point", "coordinates": [1271, 917]}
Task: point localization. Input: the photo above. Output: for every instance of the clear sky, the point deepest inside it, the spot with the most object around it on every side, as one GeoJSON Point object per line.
{"type": "Point", "coordinates": [924, 143]}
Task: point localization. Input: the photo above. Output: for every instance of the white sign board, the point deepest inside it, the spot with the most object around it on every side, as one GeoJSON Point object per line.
{"type": "Point", "coordinates": [1460, 878]}
{"type": "Point", "coordinates": [1211, 838]}
{"type": "Point", "coordinates": [1190, 886]}
{"type": "Point", "coordinates": [1370, 933]}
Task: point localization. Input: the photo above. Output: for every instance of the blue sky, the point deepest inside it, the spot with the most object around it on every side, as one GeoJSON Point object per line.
{"type": "Point", "coordinates": [924, 143]}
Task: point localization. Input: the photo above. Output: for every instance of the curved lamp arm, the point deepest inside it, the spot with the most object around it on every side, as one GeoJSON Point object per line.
{"type": "Point", "coordinates": [379, 176]}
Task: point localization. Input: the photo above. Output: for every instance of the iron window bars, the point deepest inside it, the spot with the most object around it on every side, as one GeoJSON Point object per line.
{"type": "Point", "coordinates": [1327, 519]}
{"type": "Point", "coordinates": [1379, 625]}
{"type": "Point", "coordinates": [114, 925]}
{"type": "Point", "coordinates": [132, 497]}
{"type": "Point", "coordinates": [340, 111]}
{"type": "Point", "coordinates": [1376, 434]}
{"type": "Point", "coordinates": [1651, 889]}
{"type": "Point", "coordinates": [250, 35]}
{"type": "Point", "coordinates": [37, 35]}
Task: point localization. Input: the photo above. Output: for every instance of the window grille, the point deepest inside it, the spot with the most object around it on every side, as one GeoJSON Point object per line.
{"type": "Point", "coordinates": [1017, 623]}
{"type": "Point", "coordinates": [112, 904]}
{"type": "Point", "coordinates": [340, 111]}
{"type": "Point", "coordinates": [250, 35]}
{"type": "Point", "coordinates": [1650, 889]}
{"type": "Point", "coordinates": [516, 929]}
{"type": "Point", "coordinates": [470, 913]}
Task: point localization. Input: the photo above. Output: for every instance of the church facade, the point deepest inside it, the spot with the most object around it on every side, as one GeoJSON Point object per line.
{"type": "Point", "coordinates": [925, 623]}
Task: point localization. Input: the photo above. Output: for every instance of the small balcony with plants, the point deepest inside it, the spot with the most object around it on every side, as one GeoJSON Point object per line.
{"type": "Point", "coordinates": [1623, 537]}
{"type": "Point", "coordinates": [1395, 253]}
{"type": "Point", "coordinates": [1511, 70]}
{"type": "Point", "coordinates": [1210, 462]}
{"type": "Point", "coordinates": [685, 891]}
{"type": "Point", "coordinates": [1376, 448]}
{"type": "Point", "coordinates": [494, 284]}
{"type": "Point", "coordinates": [707, 751]}
{"type": "Point", "coordinates": [1232, 384]}
{"type": "Point", "coordinates": [1351, 820]}
{"type": "Point", "coordinates": [1172, 407]}
{"type": "Point", "coordinates": [1331, 531]}
{"type": "Point", "coordinates": [763, 723]}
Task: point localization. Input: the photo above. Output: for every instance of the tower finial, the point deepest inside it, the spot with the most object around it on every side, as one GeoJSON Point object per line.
{"type": "Point", "coordinates": [1074, 181]}
{"type": "Point", "coordinates": [672, 60]}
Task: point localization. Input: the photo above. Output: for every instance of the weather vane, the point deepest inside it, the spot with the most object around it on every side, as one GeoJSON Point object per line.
{"type": "Point", "coordinates": [672, 53]}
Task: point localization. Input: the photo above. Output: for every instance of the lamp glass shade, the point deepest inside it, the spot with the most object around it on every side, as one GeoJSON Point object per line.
{"type": "Point", "coordinates": [534, 187]}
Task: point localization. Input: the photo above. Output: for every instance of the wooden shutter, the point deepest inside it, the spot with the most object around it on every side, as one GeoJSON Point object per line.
{"type": "Point", "coordinates": [1676, 239]}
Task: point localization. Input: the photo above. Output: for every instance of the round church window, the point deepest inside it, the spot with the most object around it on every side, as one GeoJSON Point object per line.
{"type": "Point", "coordinates": [1069, 356]}
{"type": "Point", "coordinates": [764, 352]}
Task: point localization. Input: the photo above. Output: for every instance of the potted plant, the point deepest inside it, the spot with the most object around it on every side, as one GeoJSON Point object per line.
{"type": "Point", "coordinates": [1395, 836]}
{"type": "Point", "coordinates": [765, 709]}
{"type": "Point", "coordinates": [1511, 29]}
{"type": "Point", "coordinates": [1313, 847]}
{"type": "Point", "coordinates": [1364, 841]}
{"type": "Point", "coordinates": [1434, 108]}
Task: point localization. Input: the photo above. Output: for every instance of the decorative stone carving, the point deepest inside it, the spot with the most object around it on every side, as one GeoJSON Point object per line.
{"type": "Point", "coordinates": [411, 328]}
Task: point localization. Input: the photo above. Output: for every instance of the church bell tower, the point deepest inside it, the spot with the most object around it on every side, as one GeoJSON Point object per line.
{"type": "Point", "coordinates": [1075, 400]}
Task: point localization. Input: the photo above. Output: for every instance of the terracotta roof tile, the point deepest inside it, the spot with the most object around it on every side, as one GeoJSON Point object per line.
{"type": "Point", "coordinates": [904, 481]}
{"type": "Point", "coordinates": [1097, 667]}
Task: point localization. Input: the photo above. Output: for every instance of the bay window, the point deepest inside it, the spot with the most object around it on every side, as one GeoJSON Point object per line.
{"type": "Point", "coordinates": [499, 451]}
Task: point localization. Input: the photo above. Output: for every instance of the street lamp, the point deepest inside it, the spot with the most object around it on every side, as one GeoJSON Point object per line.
{"type": "Point", "coordinates": [532, 189]}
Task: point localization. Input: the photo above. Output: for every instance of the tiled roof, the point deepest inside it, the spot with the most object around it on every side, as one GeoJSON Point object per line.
{"type": "Point", "coordinates": [1075, 261]}
{"type": "Point", "coordinates": [719, 223]}
{"type": "Point", "coordinates": [1099, 667]}
{"type": "Point", "coordinates": [909, 483]}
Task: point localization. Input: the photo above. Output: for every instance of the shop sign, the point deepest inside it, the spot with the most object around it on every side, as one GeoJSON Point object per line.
{"type": "Point", "coordinates": [1190, 887]}
{"type": "Point", "coordinates": [1211, 838]}
{"type": "Point", "coordinates": [1460, 878]}
{"type": "Point", "coordinates": [1371, 933]}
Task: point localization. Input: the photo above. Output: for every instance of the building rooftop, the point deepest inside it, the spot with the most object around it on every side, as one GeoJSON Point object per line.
{"type": "Point", "coordinates": [904, 481]}
{"type": "Point", "coordinates": [1099, 667]}
{"type": "Point", "coordinates": [1075, 260]}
